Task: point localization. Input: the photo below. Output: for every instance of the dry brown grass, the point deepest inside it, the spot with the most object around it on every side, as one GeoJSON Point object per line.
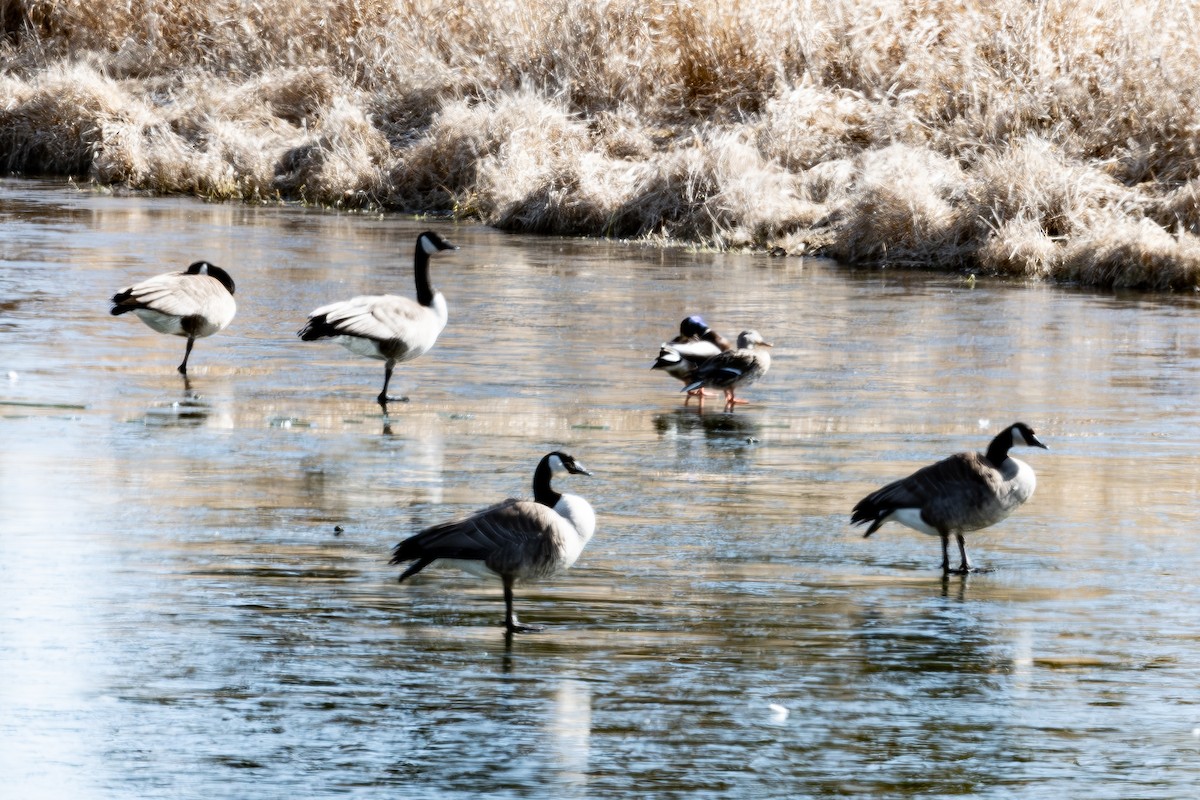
{"type": "Point", "coordinates": [1054, 139]}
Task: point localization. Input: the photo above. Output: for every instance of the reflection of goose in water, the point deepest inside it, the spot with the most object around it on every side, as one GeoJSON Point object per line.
{"type": "Point", "coordinates": [195, 303]}
{"type": "Point", "coordinates": [388, 327]}
{"type": "Point", "coordinates": [962, 493]}
{"type": "Point", "coordinates": [516, 540]}
{"type": "Point", "coordinates": [929, 642]}
{"type": "Point", "coordinates": [190, 412]}
{"type": "Point", "coordinates": [695, 344]}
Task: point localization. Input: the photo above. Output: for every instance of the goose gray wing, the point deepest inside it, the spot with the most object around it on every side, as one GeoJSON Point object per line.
{"type": "Point", "coordinates": [956, 493]}
{"type": "Point", "coordinates": [378, 317]}
{"type": "Point", "coordinates": [515, 537]}
{"type": "Point", "coordinates": [176, 294]}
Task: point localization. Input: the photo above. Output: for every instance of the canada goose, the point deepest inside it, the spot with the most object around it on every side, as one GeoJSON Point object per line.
{"type": "Point", "coordinates": [695, 344]}
{"type": "Point", "coordinates": [733, 368]}
{"type": "Point", "coordinates": [194, 303]}
{"type": "Point", "coordinates": [965, 492]}
{"type": "Point", "coordinates": [388, 327]}
{"type": "Point", "coordinates": [516, 540]}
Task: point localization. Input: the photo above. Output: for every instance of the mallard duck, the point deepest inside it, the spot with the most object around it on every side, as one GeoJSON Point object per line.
{"type": "Point", "coordinates": [733, 368]}
{"type": "Point", "coordinates": [194, 303]}
{"type": "Point", "coordinates": [695, 344]}
{"type": "Point", "coordinates": [962, 493]}
{"type": "Point", "coordinates": [516, 540]}
{"type": "Point", "coordinates": [388, 327]}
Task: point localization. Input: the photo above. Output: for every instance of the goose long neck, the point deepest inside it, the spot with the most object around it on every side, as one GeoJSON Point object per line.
{"type": "Point", "coordinates": [997, 451]}
{"type": "Point", "coordinates": [542, 491]}
{"type": "Point", "coordinates": [421, 268]}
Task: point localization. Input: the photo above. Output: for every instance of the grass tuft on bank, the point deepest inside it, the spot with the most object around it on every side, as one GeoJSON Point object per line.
{"type": "Point", "coordinates": [1051, 140]}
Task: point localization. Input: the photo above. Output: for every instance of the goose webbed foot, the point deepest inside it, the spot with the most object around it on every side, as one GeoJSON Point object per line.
{"type": "Point", "coordinates": [384, 399]}
{"type": "Point", "coordinates": [964, 564]}
{"type": "Point", "coordinates": [511, 624]}
{"type": "Point", "coordinates": [966, 569]}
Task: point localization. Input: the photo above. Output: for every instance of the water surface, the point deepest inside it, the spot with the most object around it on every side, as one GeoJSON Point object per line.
{"type": "Point", "coordinates": [197, 601]}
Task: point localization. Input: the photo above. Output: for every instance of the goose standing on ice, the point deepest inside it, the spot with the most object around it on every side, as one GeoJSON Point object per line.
{"type": "Point", "coordinates": [959, 494]}
{"type": "Point", "coordinates": [516, 540]}
{"type": "Point", "coordinates": [194, 303]}
{"type": "Point", "coordinates": [695, 344]}
{"type": "Point", "coordinates": [733, 368]}
{"type": "Point", "coordinates": [388, 327]}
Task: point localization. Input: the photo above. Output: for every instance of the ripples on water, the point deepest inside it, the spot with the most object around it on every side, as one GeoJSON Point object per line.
{"type": "Point", "coordinates": [183, 618]}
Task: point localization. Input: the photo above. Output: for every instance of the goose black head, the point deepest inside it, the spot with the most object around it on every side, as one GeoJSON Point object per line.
{"type": "Point", "coordinates": [431, 243]}
{"type": "Point", "coordinates": [1014, 435]}
{"type": "Point", "coordinates": [213, 271]}
{"type": "Point", "coordinates": [1023, 434]}
{"type": "Point", "coordinates": [560, 462]}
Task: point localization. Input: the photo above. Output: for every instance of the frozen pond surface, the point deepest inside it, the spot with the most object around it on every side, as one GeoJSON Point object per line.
{"type": "Point", "coordinates": [181, 619]}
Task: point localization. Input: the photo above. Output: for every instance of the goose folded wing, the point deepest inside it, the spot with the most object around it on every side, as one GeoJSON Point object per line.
{"type": "Point", "coordinates": [167, 294]}
{"type": "Point", "coordinates": [945, 491]}
{"type": "Point", "coordinates": [378, 317]}
{"type": "Point", "coordinates": [501, 536]}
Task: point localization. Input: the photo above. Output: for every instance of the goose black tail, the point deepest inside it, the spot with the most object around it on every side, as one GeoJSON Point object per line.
{"type": "Point", "coordinates": [868, 511]}
{"type": "Point", "coordinates": [413, 569]}
{"type": "Point", "coordinates": [121, 304]}
{"type": "Point", "coordinates": [316, 328]}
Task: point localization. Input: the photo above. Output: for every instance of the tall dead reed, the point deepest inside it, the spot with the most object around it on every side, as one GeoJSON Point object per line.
{"type": "Point", "coordinates": [1049, 140]}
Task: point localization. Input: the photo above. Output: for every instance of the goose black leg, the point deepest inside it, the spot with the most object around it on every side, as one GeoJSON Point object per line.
{"type": "Point", "coordinates": [945, 554]}
{"type": "Point", "coordinates": [383, 398]}
{"type": "Point", "coordinates": [186, 354]}
{"type": "Point", "coordinates": [965, 568]}
{"type": "Point", "coordinates": [510, 619]}
{"type": "Point", "coordinates": [387, 378]}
